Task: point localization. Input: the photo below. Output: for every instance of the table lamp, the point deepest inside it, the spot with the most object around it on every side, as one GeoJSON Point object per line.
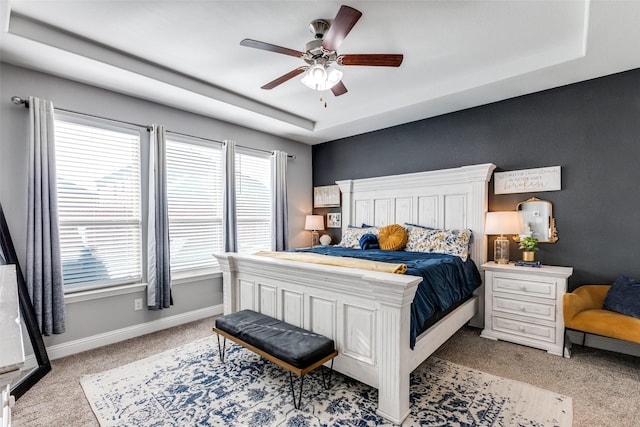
{"type": "Point", "coordinates": [502, 223]}
{"type": "Point", "coordinates": [314, 223]}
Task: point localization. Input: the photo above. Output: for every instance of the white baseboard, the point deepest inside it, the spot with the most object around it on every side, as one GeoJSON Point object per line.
{"type": "Point", "coordinates": [76, 346]}
{"type": "Point", "coordinates": [604, 343]}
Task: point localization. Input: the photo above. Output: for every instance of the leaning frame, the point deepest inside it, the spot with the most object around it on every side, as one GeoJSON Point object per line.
{"type": "Point", "coordinates": [28, 316]}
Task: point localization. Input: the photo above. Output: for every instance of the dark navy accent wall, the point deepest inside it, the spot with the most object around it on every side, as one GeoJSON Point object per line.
{"type": "Point", "coordinates": [591, 129]}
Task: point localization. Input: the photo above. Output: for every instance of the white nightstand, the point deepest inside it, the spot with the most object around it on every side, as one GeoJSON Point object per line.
{"type": "Point", "coordinates": [524, 305]}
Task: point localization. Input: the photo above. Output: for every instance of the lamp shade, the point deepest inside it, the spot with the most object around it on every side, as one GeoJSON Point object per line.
{"type": "Point", "coordinates": [509, 222]}
{"type": "Point", "coordinates": [314, 222]}
{"type": "Point", "coordinates": [320, 78]}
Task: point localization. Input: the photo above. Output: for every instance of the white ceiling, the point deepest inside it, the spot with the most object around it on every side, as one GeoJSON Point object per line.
{"type": "Point", "coordinates": [457, 54]}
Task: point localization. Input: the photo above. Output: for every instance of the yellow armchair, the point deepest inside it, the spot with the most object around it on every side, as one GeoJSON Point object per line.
{"type": "Point", "coordinates": [582, 311]}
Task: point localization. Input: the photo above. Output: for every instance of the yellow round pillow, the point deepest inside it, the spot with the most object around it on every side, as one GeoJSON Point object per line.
{"type": "Point", "coordinates": [392, 237]}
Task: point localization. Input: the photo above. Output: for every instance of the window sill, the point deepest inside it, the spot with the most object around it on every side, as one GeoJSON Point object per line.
{"type": "Point", "coordinates": [91, 294]}
{"type": "Point", "coordinates": [106, 292]}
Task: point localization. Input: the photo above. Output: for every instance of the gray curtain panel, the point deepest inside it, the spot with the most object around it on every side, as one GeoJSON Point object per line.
{"type": "Point", "coordinates": [158, 267]}
{"type": "Point", "coordinates": [44, 265]}
{"type": "Point", "coordinates": [229, 227]}
{"type": "Point", "coordinates": [279, 233]}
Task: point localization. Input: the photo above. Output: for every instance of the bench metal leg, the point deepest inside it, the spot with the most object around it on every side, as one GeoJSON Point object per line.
{"type": "Point", "coordinates": [296, 405]}
{"type": "Point", "coordinates": [328, 384]}
{"type": "Point", "coordinates": [224, 345]}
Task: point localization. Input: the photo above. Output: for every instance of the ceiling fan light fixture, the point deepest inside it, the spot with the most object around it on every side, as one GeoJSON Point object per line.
{"type": "Point", "coordinates": [333, 77]}
{"type": "Point", "coordinates": [317, 74]}
{"type": "Point", "coordinates": [319, 77]}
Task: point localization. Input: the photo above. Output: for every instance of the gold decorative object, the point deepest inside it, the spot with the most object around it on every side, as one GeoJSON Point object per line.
{"type": "Point", "coordinates": [537, 220]}
{"type": "Point", "coordinates": [530, 247]}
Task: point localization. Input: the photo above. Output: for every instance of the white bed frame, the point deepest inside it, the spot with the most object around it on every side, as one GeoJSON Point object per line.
{"type": "Point", "coordinates": [367, 313]}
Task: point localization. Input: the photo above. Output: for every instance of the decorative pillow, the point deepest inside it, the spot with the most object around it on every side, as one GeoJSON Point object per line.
{"type": "Point", "coordinates": [452, 242]}
{"type": "Point", "coordinates": [417, 238]}
{"type": "Point", "coordinates": [426, 227]}
{"type": "Point", "coordinates": [369, 241]}
{"type": "Point", "coordinates": [623, 297]}
{"type": "Point", "coordinates": [392, 237]}
{"type": "Point", "coordinates": [351, 236]}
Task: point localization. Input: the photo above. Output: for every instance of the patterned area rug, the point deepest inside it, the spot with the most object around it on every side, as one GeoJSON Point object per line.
{"type": "Point", "coordinates": [189, 386]}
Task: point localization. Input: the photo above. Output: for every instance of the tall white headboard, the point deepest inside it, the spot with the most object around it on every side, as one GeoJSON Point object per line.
{"type": "Point", "coordinates": [448, 198]}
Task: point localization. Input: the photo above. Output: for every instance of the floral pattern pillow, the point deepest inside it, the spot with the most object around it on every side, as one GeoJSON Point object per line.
{"type": "Point", "coordinates": [452, 242]}
{"type": "Point", "coordinates": [351, 237]}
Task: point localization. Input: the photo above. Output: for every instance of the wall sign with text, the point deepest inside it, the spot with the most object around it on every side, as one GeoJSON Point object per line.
{"type": "Point", "coordinates": [527, 180]}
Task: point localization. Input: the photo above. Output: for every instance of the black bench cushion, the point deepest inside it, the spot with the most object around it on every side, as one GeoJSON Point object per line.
{"type": "Point", "coordinates": [286, 342]}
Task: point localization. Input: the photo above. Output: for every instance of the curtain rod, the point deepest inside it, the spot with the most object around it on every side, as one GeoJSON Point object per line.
{"type": "Point", "coordinates": [19, 101]}
{"type": "Point", "coordinates": [289, 156]}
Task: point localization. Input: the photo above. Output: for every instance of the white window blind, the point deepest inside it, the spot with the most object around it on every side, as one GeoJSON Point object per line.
{"type": "Point", "coordinates": [194, 192]}
{"type": "Point", "coordinates": [253, 201]}
{"type": "Point", "coordinates": [99, 202]}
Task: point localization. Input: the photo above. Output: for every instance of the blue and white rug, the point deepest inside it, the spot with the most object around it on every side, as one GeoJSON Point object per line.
{"type": "Point", "coordinates": [189, 386]}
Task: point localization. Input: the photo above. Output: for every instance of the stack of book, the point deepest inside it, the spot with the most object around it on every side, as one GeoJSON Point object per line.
{"type": "Point", "coordinates": [528, 264]}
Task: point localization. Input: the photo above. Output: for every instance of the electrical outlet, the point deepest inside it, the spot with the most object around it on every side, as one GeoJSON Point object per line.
{"type": "Point", "coordinates": [137, 304]}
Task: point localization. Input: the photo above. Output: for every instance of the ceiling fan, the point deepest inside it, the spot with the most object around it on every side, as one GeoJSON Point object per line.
{"type": "Point", "coordinates": [321, 56]}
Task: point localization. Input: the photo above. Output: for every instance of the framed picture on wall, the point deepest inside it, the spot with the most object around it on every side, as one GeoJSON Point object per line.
{"type": "Point", "coordinates": [326, 196]}
{"type": "Point", "coordinates": [334, 220]}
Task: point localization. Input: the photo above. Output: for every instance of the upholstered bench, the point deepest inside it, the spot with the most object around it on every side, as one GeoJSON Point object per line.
{"type": "Point", "coordinates": [297, 350]}
{"type": "Point", "coordinates": [582, 311]}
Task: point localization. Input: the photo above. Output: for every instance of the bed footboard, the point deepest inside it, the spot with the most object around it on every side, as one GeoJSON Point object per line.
{"type": "Point", "coordinates": [366, 313]}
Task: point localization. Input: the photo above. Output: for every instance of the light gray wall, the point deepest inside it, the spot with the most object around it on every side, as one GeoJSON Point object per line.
{"type": "Point", "coordinates": [98, 316]}
{"type": "Point", "coordinates": [104, 315]}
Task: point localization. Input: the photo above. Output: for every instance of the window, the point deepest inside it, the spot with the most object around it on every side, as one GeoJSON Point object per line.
{"type": "Point", "coordinates": [101, 182]}
{"type": "Point", "coordinates": [194, 192]}
{"type": "Point", "coordinates": [253, 201]}
{"type": "Point", "coordinates": [99, 202]}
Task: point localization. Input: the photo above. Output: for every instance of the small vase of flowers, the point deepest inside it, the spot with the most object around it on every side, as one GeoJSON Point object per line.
{"type": "Point", "coordinates": [530, 247]}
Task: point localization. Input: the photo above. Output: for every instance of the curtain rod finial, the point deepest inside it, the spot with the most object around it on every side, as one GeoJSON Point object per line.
{"type": "Point", "coordinates": [17, 100]}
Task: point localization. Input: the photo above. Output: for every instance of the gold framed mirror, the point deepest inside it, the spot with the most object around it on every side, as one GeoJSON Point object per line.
{"type": "Point", "coordinates": [537, 220]}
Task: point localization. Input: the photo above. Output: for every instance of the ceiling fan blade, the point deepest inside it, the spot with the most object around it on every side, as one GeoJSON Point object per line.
{"type": "Point", "coordinates": [339, 89]}
{"type": "Point", "coordinates": [340, 27]}
{"type": "Point", "coordinates": [271, 47]}
{"type": "Point", "coordinates": [375, 60]}
{"type": "Point", "coordinates": [291, 74]}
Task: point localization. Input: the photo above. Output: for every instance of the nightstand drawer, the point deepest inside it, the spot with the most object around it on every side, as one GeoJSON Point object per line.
{"type": "Point", "coordinates": [525, 308]}
{"type": "Point", "coordinates": [522, 286]}
{"type": "Point", "coordinates": [524, 329]}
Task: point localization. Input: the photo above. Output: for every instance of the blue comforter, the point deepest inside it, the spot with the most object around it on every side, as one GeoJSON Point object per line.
{"type": "Point", "coordinates": [446, 279]}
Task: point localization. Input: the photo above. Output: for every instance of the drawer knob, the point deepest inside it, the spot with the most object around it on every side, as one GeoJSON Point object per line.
{"type": "Point", "coordinates": [523, 287]}
{"type": "Point", "coordinates": [521, 328]}
{"type": "Point", "coordinates": [523, 308]}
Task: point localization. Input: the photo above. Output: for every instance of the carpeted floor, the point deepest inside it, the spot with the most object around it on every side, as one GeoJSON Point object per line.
{"type": "Point", "coordinates": [604, 386]}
